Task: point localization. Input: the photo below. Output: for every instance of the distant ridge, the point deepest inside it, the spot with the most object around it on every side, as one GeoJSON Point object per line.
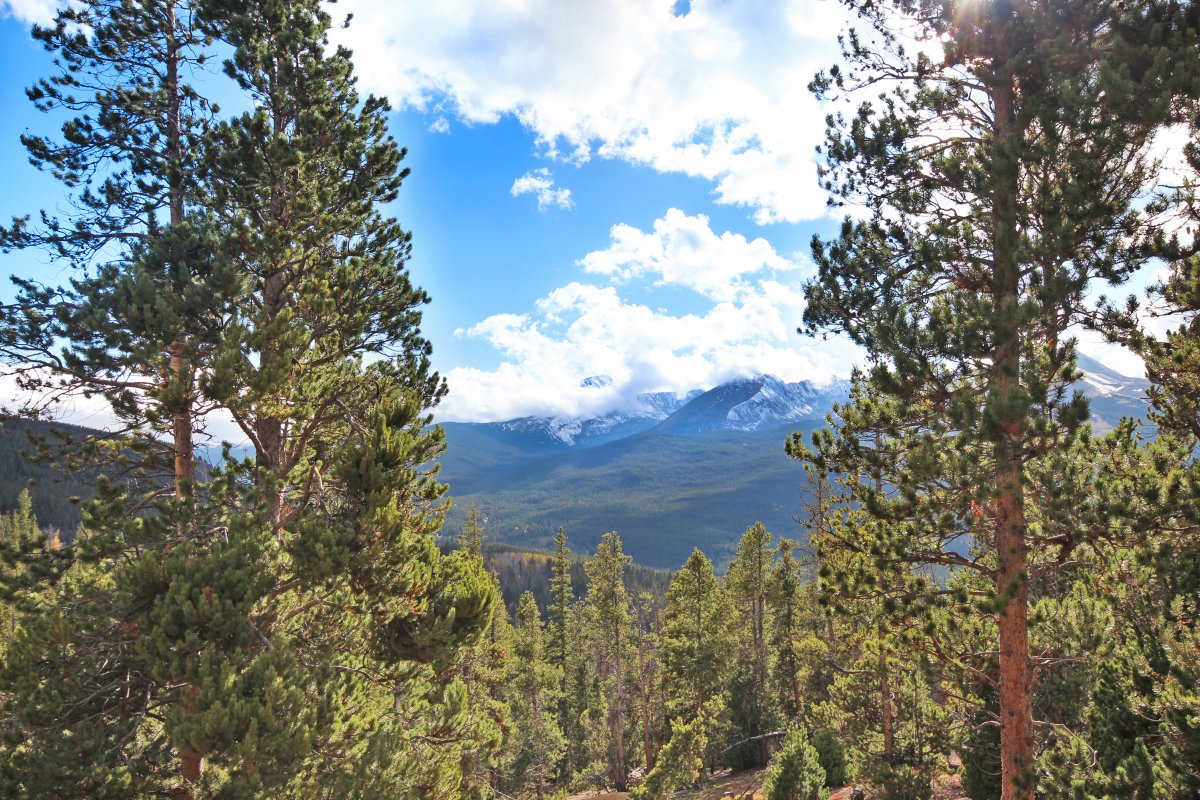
{"type": "Point", "coordinates": [673, 472]}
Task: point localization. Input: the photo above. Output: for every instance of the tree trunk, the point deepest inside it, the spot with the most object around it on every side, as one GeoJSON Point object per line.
{"type": "Point", "coordinates": [191, 763]}
{"type": "Point", "coordinates": [1007, 418]}
{"type": "Point", "coordinates": [885, 706]}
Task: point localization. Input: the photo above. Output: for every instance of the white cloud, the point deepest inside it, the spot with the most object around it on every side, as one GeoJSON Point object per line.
{"type": "Point", "coordinates": [581, 329]}
{"type": "Point", "coordinates": [684, 251]}
{"type": "Point", "coordinates": [541, 184]}
{"type": "Point", "coordinates": [30, 12]}
{"type": "Point", "coordinates": [719, 93]}
{"type": "Point", "coordinates": [440, 125]}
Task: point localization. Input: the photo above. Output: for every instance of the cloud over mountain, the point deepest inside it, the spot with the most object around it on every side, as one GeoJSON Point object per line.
{"type": "Point", "coordinates": [746, 325]}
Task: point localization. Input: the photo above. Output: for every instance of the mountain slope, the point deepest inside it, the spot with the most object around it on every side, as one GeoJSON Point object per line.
{"type": "Point", "coordinates": [664, 493]}
{"type": "Point", "coordinates": [694, 477]}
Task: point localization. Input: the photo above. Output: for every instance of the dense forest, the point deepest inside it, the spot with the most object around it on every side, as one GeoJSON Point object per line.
{"type": "Point", "coordinates": [990, 589]}
{"type": "Point", "coordinates": [56, 486]}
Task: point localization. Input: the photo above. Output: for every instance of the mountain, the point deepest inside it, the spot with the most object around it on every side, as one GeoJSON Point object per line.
{"type": "Point", "coordinates": [751, 404]}
{"type": "Point", "coordinates": [743, 404]}
{"type": "Point", "coordinates": [670, 473]}
{"type": "Point", "coordinates": [55, 493]}
{"type": "Point", "coordinates": [673, 472]}
{"type": "Point", "coordinates": [1112, 394]}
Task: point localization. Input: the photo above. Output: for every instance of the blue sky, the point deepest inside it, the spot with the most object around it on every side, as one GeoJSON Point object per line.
{"type": "Point", "coordinates": [619, 187]}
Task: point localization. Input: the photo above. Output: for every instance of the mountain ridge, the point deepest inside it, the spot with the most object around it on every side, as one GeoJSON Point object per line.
{"type": "Point", "coordinates": [668, 482]}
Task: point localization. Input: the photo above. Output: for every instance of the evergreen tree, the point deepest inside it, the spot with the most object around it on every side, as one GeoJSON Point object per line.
{"type": "Point", "coordinates": [697, 650]}
{"type": "Point", "coordinates": [290, 628]}
{"type": "Point", "coordinates": [470, 540]}
{"type": "Point", "coordinates": [609, 622]}
{"type": "Point", "coordinates": [751, 703]}
{"type": "Point", "coordinates": [697, 642]}
{"type": "Point", "coordinates": [795, 773]}
{"type": "Point", "coordinates": [566, 652]}
{"type": "Point", "coordinates": [796, 649]}
{"type": "Point", "coordinates": [975, 255]}
{"type": "Point", "coordinates": [563, 596]}
{"type": "Point", "coordinates": [648, 675]}
{"type": "Point", "coordinates": [537, 744]}
{"type": "Point", "coordinates": [682, 760]}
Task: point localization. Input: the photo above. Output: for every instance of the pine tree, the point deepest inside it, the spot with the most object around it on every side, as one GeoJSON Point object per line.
{"type": "Point", "coordinates": [288, 626]}
{"type": "Point", "coordinates": [566, 652]}
{"type": "Point", "coordinates": [976, 252]}
{"type": "Point", "coordinates": [610, 619]}
{"type": "Point", "coordinates": [682, 760]}
{"type": "Point", "coordinates": [795, 773]}
{"type": "Point", "coordinates": [794, 647]}
{"type": "Point", "coordinates": [471, 539]}
{"type": "Point", "coordinates": [751, 700]}
{"type": "Point", "coordinates": [648, 675]}
{"type": "Point", "coordinates": [300, 180]}
{"type": "Point", "coordinates": [537, 744]}
{"type": "Point", "coordinates": [697, 651]}
{"type": "Point", "coordinates": [485, 753]}
{"type": "Point", "coordinates": [697, 642]}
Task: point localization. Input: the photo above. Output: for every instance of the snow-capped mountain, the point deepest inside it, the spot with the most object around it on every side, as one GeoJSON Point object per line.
{"type": "Point", "coordinates": [750, 404]}
{"type": "Point", "coordinates": [764, 402]}
{"type": "Point", "coordinates": [742, 404]}
{"type": "Point", "coordinates": [646, 411]}
{"type": "Point", "coordinates": [1112, 394]}
{"type": "Point", "coordinates": [671, 473]}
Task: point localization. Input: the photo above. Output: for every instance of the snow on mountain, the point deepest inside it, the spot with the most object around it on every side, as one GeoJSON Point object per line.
{"type": "Point", "coordinates": [748, 404]}
{"type": "Point", "coordinates": [744, 404]}
{"type": "Point", "coordinates": [647, 410]}
{"type": "Point", "coordinates": [1102, 381]}
{"type": "Point", "coordinates": [773, 403]}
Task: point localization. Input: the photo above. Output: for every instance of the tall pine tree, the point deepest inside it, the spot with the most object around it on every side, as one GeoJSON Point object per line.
{"type": "Point", "coordinates": [1000, 178]}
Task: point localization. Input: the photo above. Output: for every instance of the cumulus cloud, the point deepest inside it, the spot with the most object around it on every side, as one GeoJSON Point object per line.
{"type": "Point", "coordinates": [540, 183]}
{"type": "Point", "coordinates": [718, 93]}
{"type": "Point", "coordinates": [584, 329]}
{"type": "Point", "coordinates": [31, 12]}
{"type": "Point", "coordinates": [683, 250]}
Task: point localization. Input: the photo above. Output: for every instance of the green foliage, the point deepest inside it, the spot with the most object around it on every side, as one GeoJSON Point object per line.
{"type": "Point", "coordinates": [697, 645]}
{"type": "Point", "coordinates": [795, 772]}
{"type": "Point", "coordinates": [279, 626]}
{"type": "Point", "coordinates": [963, 278]}
{"type": "Point", "coordinates": [981, 751]}
{"type": "Point", "coordinates": [681, 761]}
{"type": "Point", "coordinates": [831, 754]}
{"type": "Point", "coordinates": [609, 634]}
{"type": "Point", "coordinates": [537, 743]}
{"type": "Point", "coordinates": [798, 655]}
{"type": "Point", "coordinates": [898, 781]}
{"type": "Point", "coordinates": [753, 709]}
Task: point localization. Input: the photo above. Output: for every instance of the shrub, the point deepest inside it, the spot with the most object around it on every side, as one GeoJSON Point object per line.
{"type": "Point", "coordinates": [795, 772]}
{"type": "Point", "coordinates": [831, 752]}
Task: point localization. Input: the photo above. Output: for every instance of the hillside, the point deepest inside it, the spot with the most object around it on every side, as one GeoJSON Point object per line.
{"type": "Point", "coordinates": [688, 472]}
{"type": "Point", "coordinates": [664, 493]}
{"type": "Point", "coordinates": [671, 474]}
{"type": "Point", "coordinates": [55, 493]}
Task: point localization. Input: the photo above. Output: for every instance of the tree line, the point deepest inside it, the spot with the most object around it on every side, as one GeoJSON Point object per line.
{"type": "Point", "coordinates": [652, 692]}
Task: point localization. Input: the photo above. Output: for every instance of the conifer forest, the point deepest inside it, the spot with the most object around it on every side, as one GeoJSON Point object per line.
{"type": "Point", "coordinates": [984, 596]}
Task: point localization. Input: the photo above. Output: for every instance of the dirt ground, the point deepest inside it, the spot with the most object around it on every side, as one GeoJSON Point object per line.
{"type": "Point", "coordinates": [748, 785]}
